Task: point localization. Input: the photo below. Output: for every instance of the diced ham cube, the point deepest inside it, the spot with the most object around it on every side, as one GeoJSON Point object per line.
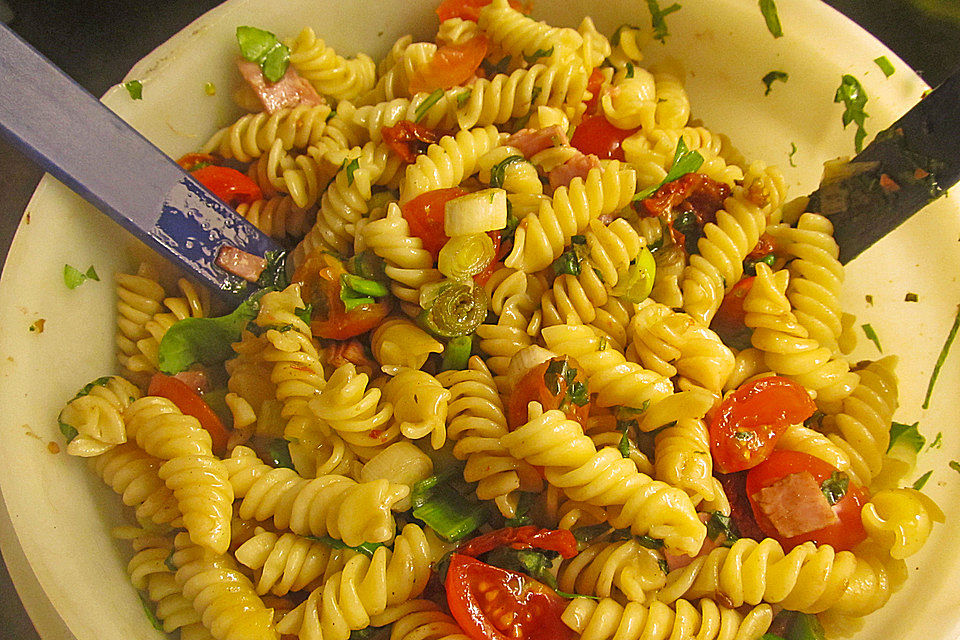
{"type": "Point", "coordinates": [240, 263]}
{"type": "Point", "coordinates": [795, 505]}
{"type": "Point", "coordinates": [289, 91]}
{"type": "Point", "coordinates": [532, 141]}
{"type": "Point", "coordinates": [576, 167]}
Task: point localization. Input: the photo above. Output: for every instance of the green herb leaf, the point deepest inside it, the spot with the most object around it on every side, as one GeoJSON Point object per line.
{"type": "Point", "coordinates": [205, 340]}
{"type": "Point", "coordinates": [531, 562]}
{"type": "Point", "coordinates": [168, 561]}
{"type": "Point", "coordinates": [684, 162]}
{"type": "Point", "coordinates": [430, 100]}
{"type": "Point", "coordinates": [872, 336]}
{"type": "Point", "coordinates": [522, 515]}
{"type": "Point", "coordinates": [453, 515]}
{"type": "Point", "coordinates": [772, 77]}
{"type": "Point", "coordinates": [937, 442]}
{"type": "Point", "coordinates": [885, 65]}
{"type": "Point", "coordinates": [835, 487]}
{"type": "Point", "coordinates": [367, 548]}
{"type": "Point", "coordinates": [769, 10]}
{"type": "Point", "coordinates": [906, 435]}
{"type": "Point", "coordinates": [649, 542]}
{"type": "Point", "coordinates": [854, 99]}
{"type": "Point", "coordinates": [356, 291]}
{"type": "Point", "coordinates": [456, 353]}
{"type": "Point", "coordinates": [793, 151]}
{"type": "Point", "coordinates": [262, 47]}
{"type": "Point", "coordinates": [350, 167]}
{"type": "Point", "coordinates": [498, 171]}
{"type": "Point", "coordinates": [658, 18]}
{"type": "Point", "coordinates": [568, 263]}
{"type": "Point", "coordinates": [720, 525]}
{"type": "Point", "coordinates": [539, 53]}
{"type": "Point", "coordinates": [944, 351]}
{"type": "Point", "coordinates": [794, 625]}
{"type": "Point", "coordinates": [922, 480]}
{"type": "Point", "coordinates": [630, 70]}
{"type": "Point", "coordinates": [589, 533]}
{"type": "Point", "coordinates": [512, 223]}
{"type": "Point", "coordinates": [490, 69]}
{"type": "Point", "coordinates": [462, 97]}
{"type": "Point", "coordinates": [304, 313]}
{"type": "Point", "coordinates": [955, 465]}
{"type": "Point", "coordinates": [73, 277]}
{"type": "Point", "coordinates": [68, 431]}
{"type": "Point", "coordinates": [274, 274]}
{"type": "Point", "coordinates": [135, 89]}
{"type": "Point", "coordinates": [278, 453]}
{"type": "Point", "coordinates": [151, 615]}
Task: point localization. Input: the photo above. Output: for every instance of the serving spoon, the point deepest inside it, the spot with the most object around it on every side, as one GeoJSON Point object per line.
{"type": "Point", "coordinates": [73, 136]}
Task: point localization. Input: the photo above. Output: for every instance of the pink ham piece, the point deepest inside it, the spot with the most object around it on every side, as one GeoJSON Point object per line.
{"type": "Point", "coordinates": [795, 505]}
{"type": "Point", "coordinates": [532, 141]}
{"type": "Point", "coordinates": [240, 263]}
{"type": "Point", "coordinates": [289, 91]}
{"type": "Point", "coordinates": [576, 167]}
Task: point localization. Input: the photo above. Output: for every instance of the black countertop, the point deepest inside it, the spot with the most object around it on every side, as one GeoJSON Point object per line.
{"type": "Point", "coordinates": [97, 41]}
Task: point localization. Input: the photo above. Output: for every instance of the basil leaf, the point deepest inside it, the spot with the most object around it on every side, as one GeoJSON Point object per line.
{"type": "Point", "coordinates": [854, 99]}
{"type": "Point", "coordinates": [835, 487]}
{"type": "Point", "coordinates": [73, 277]}
{"type": "Point", "coordinates": [772, 77]}
{"type": "Point", "coordinates": [658, 18]}
{"type": "Point", "coordinates": [769, 10]}
{"type": "Point", "coordinates": [684, 162]}
{"type": "Point", "coordinates": [262, 47]}
{"type": "Point", "coordinates": [135, 89]}
{"type": "Point", "coordinates": [906, 434]}
{"type": "Point", "coordinates": [499, 170]}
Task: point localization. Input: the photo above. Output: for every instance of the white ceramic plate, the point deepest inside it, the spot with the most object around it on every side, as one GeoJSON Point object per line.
{"type": "Point", "coordinates": [61, 514]}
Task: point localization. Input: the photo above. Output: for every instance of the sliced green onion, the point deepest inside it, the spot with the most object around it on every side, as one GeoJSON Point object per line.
{"type": "Point", "coordinates": [443, 509]}
{"type": "Point", "coordinates": [456, 354]}
{"type": "Point", "coordinates": [477, 212]}
{"type": "Point", "coordinates": [942, 358]}
{"type": "Point", "coordinates": [431, 100]}
{"type": "Point", "coordinates": [364, 285]}
{"type": "Point", "coordinates": [463, 257]}
{"type": "Point", "coordinates": [457, 310]}
{"type": "Point", "coordinates": [636, 284]}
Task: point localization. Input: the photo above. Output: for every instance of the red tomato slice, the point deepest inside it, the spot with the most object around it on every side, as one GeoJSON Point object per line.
{"type": "Point", "coordinates": [594, 135]}
{"type": "Point", "coordinates": [425, 213]}
{"type": "Point", "coordinates": [319, 278]}
{"type": "Point", "coordinates": [190, 161]}
{"type": "Point", "coordinates": [729, 321]}
{"type": "Point", "coordinates": [490, 603]}
{"type": "Point", "coordinates": [766, 245]}
{"type": "Point", "coordinates": [191, 404]}
{"type": "Point", "coordinates": [451, 65]}
{"type": "Point", "coordinates": [408, 139]}
{"type": "Point", "coordinates": [594, 83]}
{"type": "Point", "coordinates": [228, 184]}
{"type": "Point", "coordinates": [533, 387]}
{"type": "Point", "coordinates": [528, 537]}
{"type": "Point", "coordinates": [748, 423]}
{"type": "Point", "coordinates": [842, 536]}
{"type": "Point", "coordinates": [469, 9]}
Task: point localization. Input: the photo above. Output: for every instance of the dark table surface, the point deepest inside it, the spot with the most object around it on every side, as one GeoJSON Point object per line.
{"type": "Point", "coordinates": [97, 41]}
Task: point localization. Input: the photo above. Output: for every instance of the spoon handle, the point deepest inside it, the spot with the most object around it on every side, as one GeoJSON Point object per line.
{"type": "Point", "coordinates": [75, 137]}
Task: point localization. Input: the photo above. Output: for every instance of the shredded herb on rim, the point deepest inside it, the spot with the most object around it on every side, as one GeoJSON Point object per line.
{"type": "Point", "coordinates": [769, 10]}
{"type": "Point", "coordinates": [885, 65]}
{"type": "Point", "coordinates": [135, 89]}
{"type": "Point", "coordinates": [906, 434]}
{"type": "Point", "coordinates": [73, 277]}
{"type": "Point", "coordinates": [922, 480]}
{"type": "Point", "coordinates": [772, 77]}
{"type": "Point", "coordinates": [955, 465]}
{"type": "Point", "coordinates": [793, 151]}
{"type": "Point", "coordinates": [872, 335]}
{"type": "Point", "coordinates": [942, 358]}
{"type": "Point", "coordinates": [937, 442]}
{"type": "Point", "coordinates": [854, 99]}
{"type": "Point", "coordinates": [658, 18]}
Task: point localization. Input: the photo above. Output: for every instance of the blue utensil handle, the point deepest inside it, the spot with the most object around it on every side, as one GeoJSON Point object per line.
{"type": "Point", "coordinates": [72, 135]}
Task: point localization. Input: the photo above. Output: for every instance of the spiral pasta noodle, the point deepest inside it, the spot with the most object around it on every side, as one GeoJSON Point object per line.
{"type": "Point", "coordinates": [254, 134]}
{"type": "Point", "coordinates": [620, 567]}
{"type": "Point", "coordinates": [448, 162]}
{"type": "Point", "coordinates": [133, 474]}
{"type": "Point", "coordinates": [96, 414]}
{"type": "Point", "coordinates": [329, 73]}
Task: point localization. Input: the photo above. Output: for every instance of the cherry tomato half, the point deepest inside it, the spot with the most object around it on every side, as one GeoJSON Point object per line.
{"type": "Point", "coordinates": [533, 386]}
{"type": "Point", "coordinates": [490, 603]}
{"type": "Point", "coordinates": [842, 536]}
{"type": "Point", "coordinates": [748, 423]}
{"type": "Point", "coordinates": [594, 135]}
{"type": "Point", "coordinates": [425, 213]}
{"type": "Point", "coordinates": [319, 277]}
{"type": "Point", "coordinates": [594, 83]}
{"type": "Point", "coordinates": [528, 537]}
{"type": "Point", "coordinates": [408, 139]}
{"type": "Point", "coordinates": [730, 319]}
{"type": "Point", "coordinates": [451, 65]}
{"type": "Point", "coordinates": [191, 404]}
{"type": "Point", "coordinates": [228, 184]}
{"type": "Point", "coordinates": [469, 9]}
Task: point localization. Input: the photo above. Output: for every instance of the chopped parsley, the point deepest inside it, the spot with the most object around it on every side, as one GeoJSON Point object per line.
{"type": "Point", "coordinates": [955, 465]}
{"type": "Point", "coordinates": [885, 65]}
{"type": "Point", "coordinates": [262, 47]}
{"type": "Point", "coordinates": [769, 10]}
{"type": "Point", "coordinates": [684, 162]}
{"type": "Point", "coordinates": [772, 77]}
{"type": "Point", "coordinates": [937, 442]}
{"type": "Point", "coordinates": [911, 297]}
{"type": "Point", "coordinates": [430, 100]}
{"type": "Point", "coordinates": [560, 376]}
{"type": "Point", "coordinates": [720, 525]}
{"type": "Point", "coordinates": [350, 167]}
{"type": "Point", "coordinates": [872, 336]}
{"type": "Point", "coordinates": [135, 89]}
{"type": "Point", "coordinates": [539, 53]}
{"type": "Point", "coordinates": [835, 487]}
{"type": "Point", "coordinates": [73, 277]}
{"type": "Point", "coordinates": [906, 434]}
{"type": "Point", "coordinates": [793, 151]}
{"type": "Point", "coordinates": [854, 98]}
{"type": "Point", "coordinates": [922, 480]}
{"type": "Point", "coordinates": [570, 261]}
{"type": "Point", "coordinates": [658, 18]}
{"type": "Point", "coordinates": [942, 358]}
